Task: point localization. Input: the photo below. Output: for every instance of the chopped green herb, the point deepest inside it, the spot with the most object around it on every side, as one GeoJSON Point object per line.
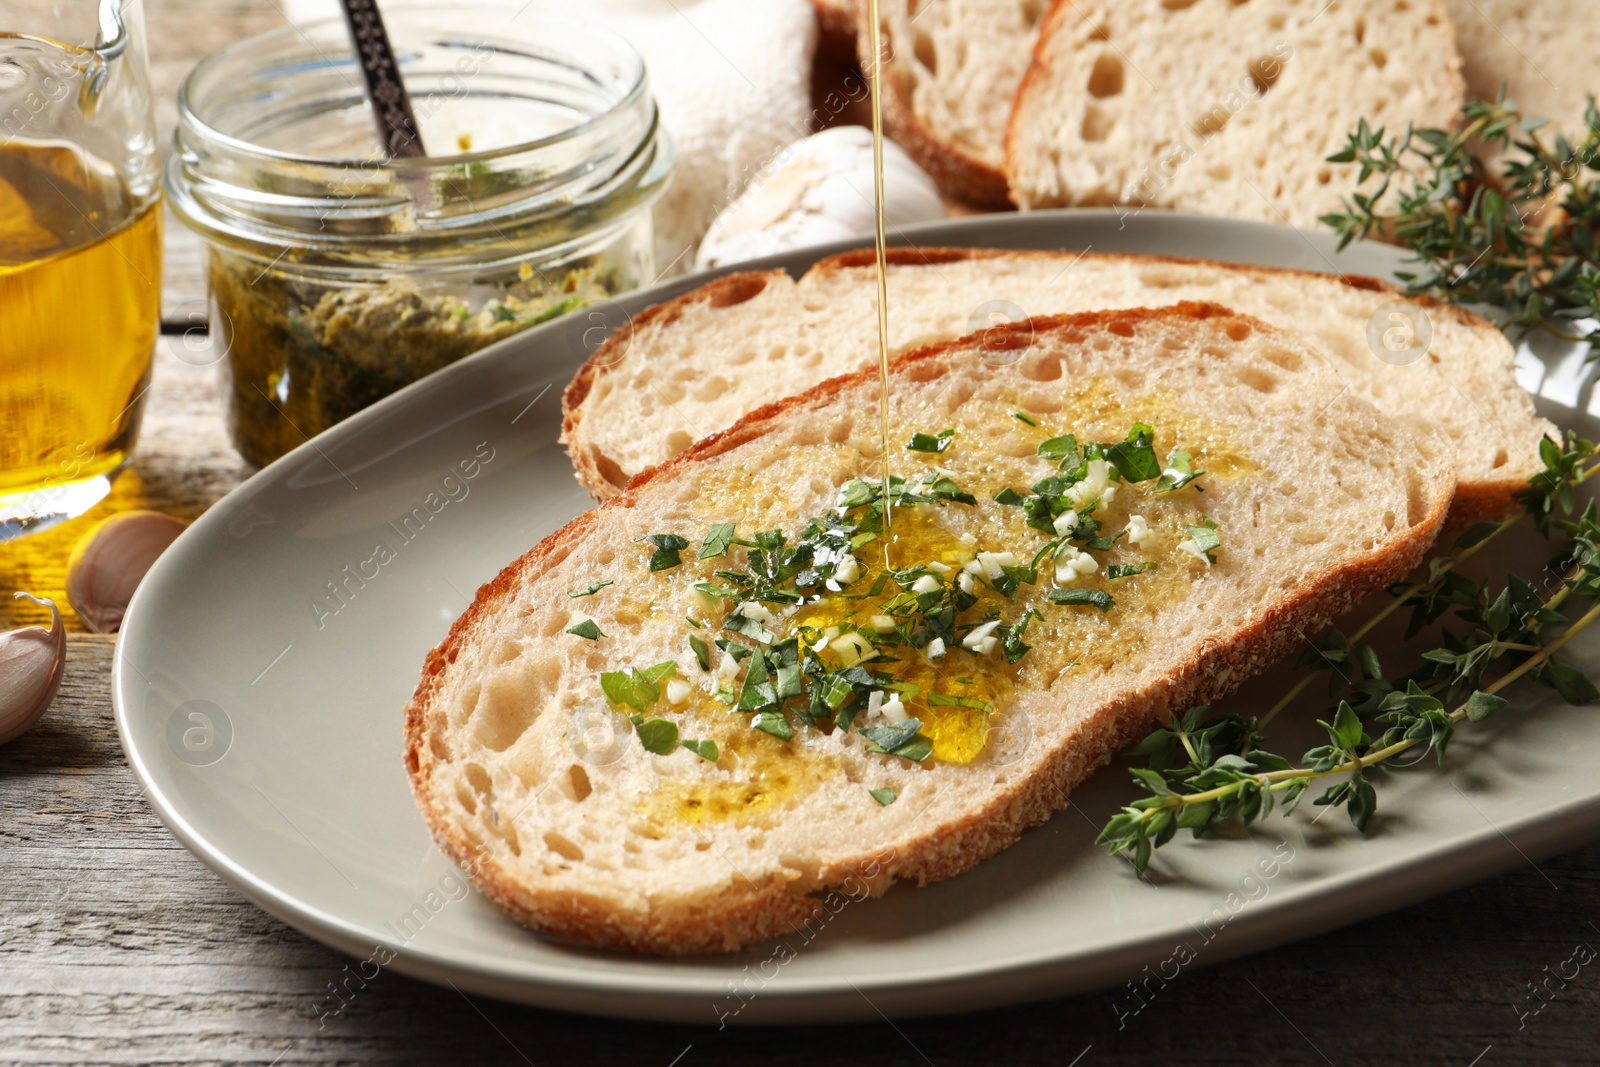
{"type": "Point", "coordinates": [1128, 570]}
{"type": "Point", "coordinates": [884, 796]}
{"type": "Point", "coordinates": [733, 648]}
{"type": "Point", "coordinates": [1205, 538]}
{"type": "Point", "coordinates": [774, 723]}
{"type": "Point", "coordinates": [635, 688]}
{"type": "Point", "coordinates": [692, 621]}
{"type": "Point", "coordinates": [666, 554]}
{"type": "Point", "coordinates": [702, 653]}
{"type": "Point", "coordinates": [1059, 448]}
{"type": "Point", "coordinates": [941, 700]}
{"type": "Point", "coordinates": [706, 750]}
{"type": "Point", "coordinates": [1179, 473]}
{"type": "Point", "coordinates": [922, 442]}
{"type": "Point", "coordinates": [1011, 636]}
{"type": "Point", "coordinates": [718, 538]}
{"type": "Point", "coordinates": [1134, 457]}
{"type": "Point", "coordinates": [901, 739]}
{"type": "Point", "coordinates": [1023, 417]}
{"type": "Point", "coordinates": [590, 590]}
{"type": "Point", "coordinates": [744, 624]}
{"type": "Point", "coordinates": [1009, 496]}
{"type": "Point", "coordinates": [712, 590]}
{"type": "Point", "coordinates": [587, 628]}
{"type": "Point", "coordinates": [659, 736]}
{"type": "Point", "coordinates": [1097, 597]}
{"type": "Point", "coordinates": [556, 310]}
{"type": "Point", "coordinates": [758, 691]}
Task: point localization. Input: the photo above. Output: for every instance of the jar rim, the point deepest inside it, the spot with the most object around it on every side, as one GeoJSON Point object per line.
{"type": "Point", "coordinates": [606, 158]}
{"type": "Point", "coordinates": [189, 118]}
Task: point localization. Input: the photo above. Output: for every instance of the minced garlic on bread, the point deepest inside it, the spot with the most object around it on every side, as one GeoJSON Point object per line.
{"type": "Point", "coordinates": [587, 744]}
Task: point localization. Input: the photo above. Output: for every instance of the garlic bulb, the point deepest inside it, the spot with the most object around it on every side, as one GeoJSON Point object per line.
{"type": "Point", "coordinates": [110, 561]}
{"type": "Point", "coordinates": [819, 189]}
{"type": "Point", "coordinates": [31, 660]}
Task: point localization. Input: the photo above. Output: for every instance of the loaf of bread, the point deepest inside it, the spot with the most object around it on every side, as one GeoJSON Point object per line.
{"type": "Point", "coordinates": [698, 364]}
{"type": "Point", "coordinates": [1220, 107]}
{"type": "Point", "coordinates": [559, 740]}
{"type": "Point", "coordinates": [951, 69]}
{"type": "Point", "coordinates": [1543, 54]}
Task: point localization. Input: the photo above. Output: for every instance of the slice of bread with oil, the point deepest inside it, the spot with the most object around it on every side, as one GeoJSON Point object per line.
{"type": "Point", "coordinates": [521, 745]}
{"type": "Point", "coordinates": [1222, 107]}
{"type": "Point", "coordinates": [688, 368]}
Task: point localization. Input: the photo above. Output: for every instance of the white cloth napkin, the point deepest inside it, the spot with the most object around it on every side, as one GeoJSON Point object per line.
{"type": "Point", "coordinates": [732, 79]}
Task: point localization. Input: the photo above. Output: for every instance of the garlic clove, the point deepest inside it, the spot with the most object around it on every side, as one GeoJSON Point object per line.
{"type": "Point", "coordinates": [111, 560]}
{"type": "Point", "coordinates": [31, 661]}
{"type": "Point", "coordinates": [819, 189]}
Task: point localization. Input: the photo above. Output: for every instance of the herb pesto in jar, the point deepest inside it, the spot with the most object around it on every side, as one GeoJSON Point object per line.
{"type": "Point", "coordinates": [303, 357]}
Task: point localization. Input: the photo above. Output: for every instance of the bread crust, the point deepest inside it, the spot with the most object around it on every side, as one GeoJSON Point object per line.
{"type": "Point", "coordinates": [1480, 500]}
{"type": "Point", "coordinates": [755, 911]}
{"type": "Point", "coordinates": [836, 28]}
{"type": "Point", "coordinates": [958, 174]}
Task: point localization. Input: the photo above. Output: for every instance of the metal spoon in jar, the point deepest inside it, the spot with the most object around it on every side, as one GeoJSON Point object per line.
{"type": "Point", "coordinates": [386, 92]}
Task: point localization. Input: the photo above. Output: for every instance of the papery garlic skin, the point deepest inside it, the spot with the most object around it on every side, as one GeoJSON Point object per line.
{"type": "Point", "coordinates": [31, 664]}
{"type": "Point", "coordinates": [819, 189]}
{"type": "Point", "coordinates": [111, 560]}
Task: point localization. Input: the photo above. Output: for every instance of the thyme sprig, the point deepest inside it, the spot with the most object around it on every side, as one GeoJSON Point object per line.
{"type": "Point", "coordinates": [1209, 770]}
{"type": "Point", "coordinates": [1523, 240]}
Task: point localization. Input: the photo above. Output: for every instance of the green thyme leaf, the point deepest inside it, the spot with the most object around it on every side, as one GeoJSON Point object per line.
{"type": "Point", "coordinates": [884, 796]}
{"type": "Point", "coordinates": [590, 590]}
{"type": "Point", "coordinates": [702, 654]}
{"type": "Point", "coordinates": [1481, 705]}
{"type": "Point", "coordinates": [587, 628]}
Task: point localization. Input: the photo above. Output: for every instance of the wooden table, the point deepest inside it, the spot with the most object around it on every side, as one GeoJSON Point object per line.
{"type": "Point", "coordinates": [117, 946]}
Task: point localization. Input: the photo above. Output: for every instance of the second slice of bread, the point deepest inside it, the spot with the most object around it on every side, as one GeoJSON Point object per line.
{"type": "Point", "coordinates": [695, 365]}
{"type": "Point", "coordinates": [1221, 107]}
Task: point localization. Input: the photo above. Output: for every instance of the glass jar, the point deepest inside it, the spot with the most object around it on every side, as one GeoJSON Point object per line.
{"type": "Point", "coordinates": [338, 275]}
{"type": "Point", "coordinates": [80, 253]}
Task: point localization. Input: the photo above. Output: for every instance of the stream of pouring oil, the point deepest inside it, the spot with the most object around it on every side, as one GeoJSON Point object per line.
{"type": "Point", "coordinates": [876, 82]}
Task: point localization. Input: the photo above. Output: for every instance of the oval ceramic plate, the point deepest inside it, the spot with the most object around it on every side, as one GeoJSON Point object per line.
{"type": "Point", "coordinates": [263, 669]}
